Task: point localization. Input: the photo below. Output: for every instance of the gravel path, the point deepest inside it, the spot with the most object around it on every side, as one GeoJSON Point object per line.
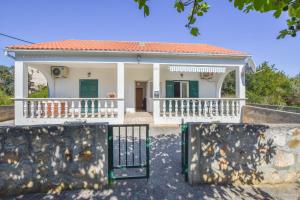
{"type": "Point", "coordinates": [166, 181]}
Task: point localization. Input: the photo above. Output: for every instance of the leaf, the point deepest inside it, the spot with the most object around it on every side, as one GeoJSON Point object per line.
{"type": "Point", "coordinates": [146, 11]}
{"type": "Point", "coordinates": [277, 13]}
{"type": "Point", "coordinates": [179, 6]}
{"type": "Point", "coordinates": [194, 31]}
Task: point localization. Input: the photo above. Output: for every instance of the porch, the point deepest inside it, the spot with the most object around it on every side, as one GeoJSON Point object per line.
{"type": "Point", "coordinates": [106, 92]}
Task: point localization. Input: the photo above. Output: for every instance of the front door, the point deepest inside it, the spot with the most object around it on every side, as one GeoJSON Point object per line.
{"type": "Point", "coordinates": [139, 99]}
{"type": "Point", "coordinates": [88, 88]}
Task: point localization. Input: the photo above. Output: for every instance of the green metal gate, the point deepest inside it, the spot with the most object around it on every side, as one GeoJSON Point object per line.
{"type": "Point", "coordinates": [184, 150]}
{"type": "Point", "coordinates": [128, 151]}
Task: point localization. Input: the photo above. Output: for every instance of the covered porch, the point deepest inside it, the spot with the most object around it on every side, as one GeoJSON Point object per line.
{"type": "Point", "coordinates": [105, 91]}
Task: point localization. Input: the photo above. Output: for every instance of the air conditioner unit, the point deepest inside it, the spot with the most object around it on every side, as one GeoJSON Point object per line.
{"type": "Point", "coordinates": [59, 71]}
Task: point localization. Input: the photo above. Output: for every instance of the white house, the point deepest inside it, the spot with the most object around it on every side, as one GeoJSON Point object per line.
{"type": "Point", "coordinates": [100, 81]}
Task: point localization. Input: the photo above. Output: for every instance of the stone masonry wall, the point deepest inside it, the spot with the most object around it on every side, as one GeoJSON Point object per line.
{"type": "Point", "coordinates": [7, 113]}
{"type": "Point", "coordinates": [243, 153]}
{"type": "Point", "coordinates": [52, 158]}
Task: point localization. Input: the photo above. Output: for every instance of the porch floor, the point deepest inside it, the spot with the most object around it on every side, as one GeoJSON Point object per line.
{"type": "Point", "coordinates": [138, 118]}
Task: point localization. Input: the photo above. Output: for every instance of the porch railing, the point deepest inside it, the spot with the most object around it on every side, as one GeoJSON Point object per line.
{"type": "Point", "coordinates": [200, 108]}
{"type": "Point", "coordinates": [69, 107]}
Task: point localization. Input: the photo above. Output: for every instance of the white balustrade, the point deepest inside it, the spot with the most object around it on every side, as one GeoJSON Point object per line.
{"type": "Point", "coordinates": [200, 108]}
{"type": "Point", "coordinates": [64, 108]}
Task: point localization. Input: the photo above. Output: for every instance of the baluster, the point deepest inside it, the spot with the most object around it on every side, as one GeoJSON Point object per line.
{"type": "Point", "coordinates": [176, 108]}
{"type": "Point", "coordinates": [194, 107]}
{"type": "Point", "coordinates": [79, 108]}
{"type": "Point", "coordinates": [39, 109]}
{"type": "Point", "coordinates": [25, 104]}
{"type": "Point", "coordinates": [221, 107]}
{"type": "Point", "coordinates": [31, 109]}
{"type": "Point", "coordinates": [46, 110]}
{"type": "Point", "coordinates": [86, 108]}
{"type": "Point", "coordinates": [112, 108]}
{"type": "Point", "coordinates": [105, 109]}
{"type": "Point", "coordinates": [199, 108]}
{"type": "Point", "coordinates": [73, 109]}
{"type": "Point", "coordinates": [66, 109]}
{"type": "Point", "coordinates": [232, 107]}
{"type": "Point", "coordinates": [93, 108]}
{"type": "Point", "coordinates": [59, 109]}
{"type": "Point", "coordinates": [210, 108]}
{"type": "Point", "coordinates": [52, 109]}
{"type": "Point", "coordinates": [99, 108]}
{"type": "Point", "coordinates": [170, 108]}
{"type": "Point", "coordinates": [164, 108]}
{"type": "Point", "coordinates": [217, 108]}
{"type": "Point", "coordinates": [205, 108]}
{"type": "Point", "coordinates": [187, 108]}
{"type": "Point", "coordinates": [227, 107]}
{"type": "Point", "coordinates": [237, 107]}
{"type": "Point", "coordinates": [181, 108]}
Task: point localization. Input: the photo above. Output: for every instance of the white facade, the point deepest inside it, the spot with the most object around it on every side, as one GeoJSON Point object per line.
{"type": "Point", "coordinates": [122, 74]}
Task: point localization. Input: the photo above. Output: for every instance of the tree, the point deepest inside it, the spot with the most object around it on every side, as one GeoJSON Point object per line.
{"type": "Point", "coordinates": [268, 86]}
{"type": "Point", "coordinates": [228, 87]}
{"type": "Point", "coordinates": [199, 7]}
{"type": "Point", "coordinates": [7, 76]}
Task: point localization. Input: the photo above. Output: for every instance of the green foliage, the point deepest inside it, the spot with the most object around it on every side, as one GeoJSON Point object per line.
{"type": "Point", "coordinates": [4, 99]}
{"type": "Point", "coordinates": [268, 86]}
{"type": "Point", "coordinates": [199, 7]}
{"type": "Point", "coordinates": [7, 75]}
{"type": "Point", "coordinates": [42, 92]}
{"type": "Point", "coordinates": [228, 87]}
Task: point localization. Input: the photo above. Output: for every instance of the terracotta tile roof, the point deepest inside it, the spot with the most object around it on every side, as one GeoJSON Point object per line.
{"type": "Point", "coordinates": [128, 46]}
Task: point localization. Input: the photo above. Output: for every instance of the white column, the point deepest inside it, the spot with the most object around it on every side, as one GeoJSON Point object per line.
{"type": "Point", "coordinates": [21, 90]}
{"type": "Point", "coordinates": [120, 94]}
{"type": "Point", "coordinates": [240, 82]}
{"type": "Point", "coordinates": [156, 88]}
{"type": "Point", "coordinates": [240, 90]}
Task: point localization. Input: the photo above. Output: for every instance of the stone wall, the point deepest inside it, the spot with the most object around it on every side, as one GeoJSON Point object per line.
{"type": "Point", "coordinates": [243, 153]}
{"type": "Point", "coordinates": [277, 107]}
{"type": "Point", "coordinates": [252, 114]}
{"type": "Point", "coordinates": [52, 158]}
{"type": "Point", "coordinates": [7, 113]}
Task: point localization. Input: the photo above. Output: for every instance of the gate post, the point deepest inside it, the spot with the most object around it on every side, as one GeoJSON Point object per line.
{"type": "Point", "coordinates": [184, 149]}
{"type": "Point", "coordinates": [110, 154]}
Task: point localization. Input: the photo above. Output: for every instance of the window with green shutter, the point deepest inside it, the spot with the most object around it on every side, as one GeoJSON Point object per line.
{"type": "Point", "coordinates": [169, 89]}
{"type": "Point", "coordinates": [193, 89]}
{"type": "Point", "coordinates": [88, 88]}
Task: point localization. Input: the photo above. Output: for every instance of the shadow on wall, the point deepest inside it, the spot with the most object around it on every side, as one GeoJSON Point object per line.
{"type": "Point", "coordinates": [229, 153]}
{"type": "Point", "coordinates": [166, 180]}
{"type": "Point", "coordinates": [52, 158]}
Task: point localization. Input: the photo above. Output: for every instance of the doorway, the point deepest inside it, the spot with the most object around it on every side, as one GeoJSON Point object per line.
{"type": "Point", "coordinates": [140, 96]}
{"type": "Point", "coordinates": [181, 89]}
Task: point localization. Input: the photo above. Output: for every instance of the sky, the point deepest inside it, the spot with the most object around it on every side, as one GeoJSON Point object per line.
{"type": "Point", "coordinates": [223, 25]}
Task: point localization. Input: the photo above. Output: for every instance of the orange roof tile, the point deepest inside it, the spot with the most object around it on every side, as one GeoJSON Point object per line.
{"type": "Point", "coordinates": [128, 46]}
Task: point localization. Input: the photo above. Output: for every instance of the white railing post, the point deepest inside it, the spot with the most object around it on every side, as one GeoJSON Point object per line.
{"type": "Point", "coordinates": [59, 109]}
{"type": "Point", "coordinates": [79, 109]}
{"type": "Point", "coordinates": [120, 88]}
{"type": "Point", "coordinates": [39, 109]}
{"type": "Point", "coordinates": [194, 107]}
{"type": "Point", "coordinates": [221, 107]}
{"type": "Point", "coordinates": [156, 91]}
{"type": "Point", "coordinates": [99, 109]}
{"type": "Point", "coordinates": [170, 108]}
{"type": "Point", "coordinates": [86, 108]}
{"type": "Point", "coordinates": [164, 108]}
{"type": "Point", "coordinates": [52, 109]}
{"type": "Point", "coordinates": [21, 91]}
{"type": "Point", "coordinates": [66, 109]}
{"type": "Point", "coordinates": [93, 108]}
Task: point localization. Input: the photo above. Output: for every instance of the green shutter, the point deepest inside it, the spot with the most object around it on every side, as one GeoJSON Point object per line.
{"type": "Point", "coordinates": [169, 89]}
{"type": "Point", "coordinates": [193, 89]}
{"type": "Point", "coordinates": [88, 88]}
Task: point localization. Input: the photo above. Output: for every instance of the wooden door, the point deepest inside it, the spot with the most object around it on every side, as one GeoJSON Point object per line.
{"type": "Point", "coordinates": [139, 99]}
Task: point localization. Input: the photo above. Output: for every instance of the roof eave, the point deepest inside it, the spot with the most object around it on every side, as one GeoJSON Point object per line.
{"type": "Point", "coordinates": [130, 52]}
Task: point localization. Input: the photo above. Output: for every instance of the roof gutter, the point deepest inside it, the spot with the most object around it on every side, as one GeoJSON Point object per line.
{"type": "Point", "coordinates": [130, 52]}
{"type": "Point", "coordinates": [7, 53]}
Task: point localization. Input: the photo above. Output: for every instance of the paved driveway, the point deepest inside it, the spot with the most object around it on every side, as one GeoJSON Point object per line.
{"type": "Point", "coordinates": [166, 181]}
